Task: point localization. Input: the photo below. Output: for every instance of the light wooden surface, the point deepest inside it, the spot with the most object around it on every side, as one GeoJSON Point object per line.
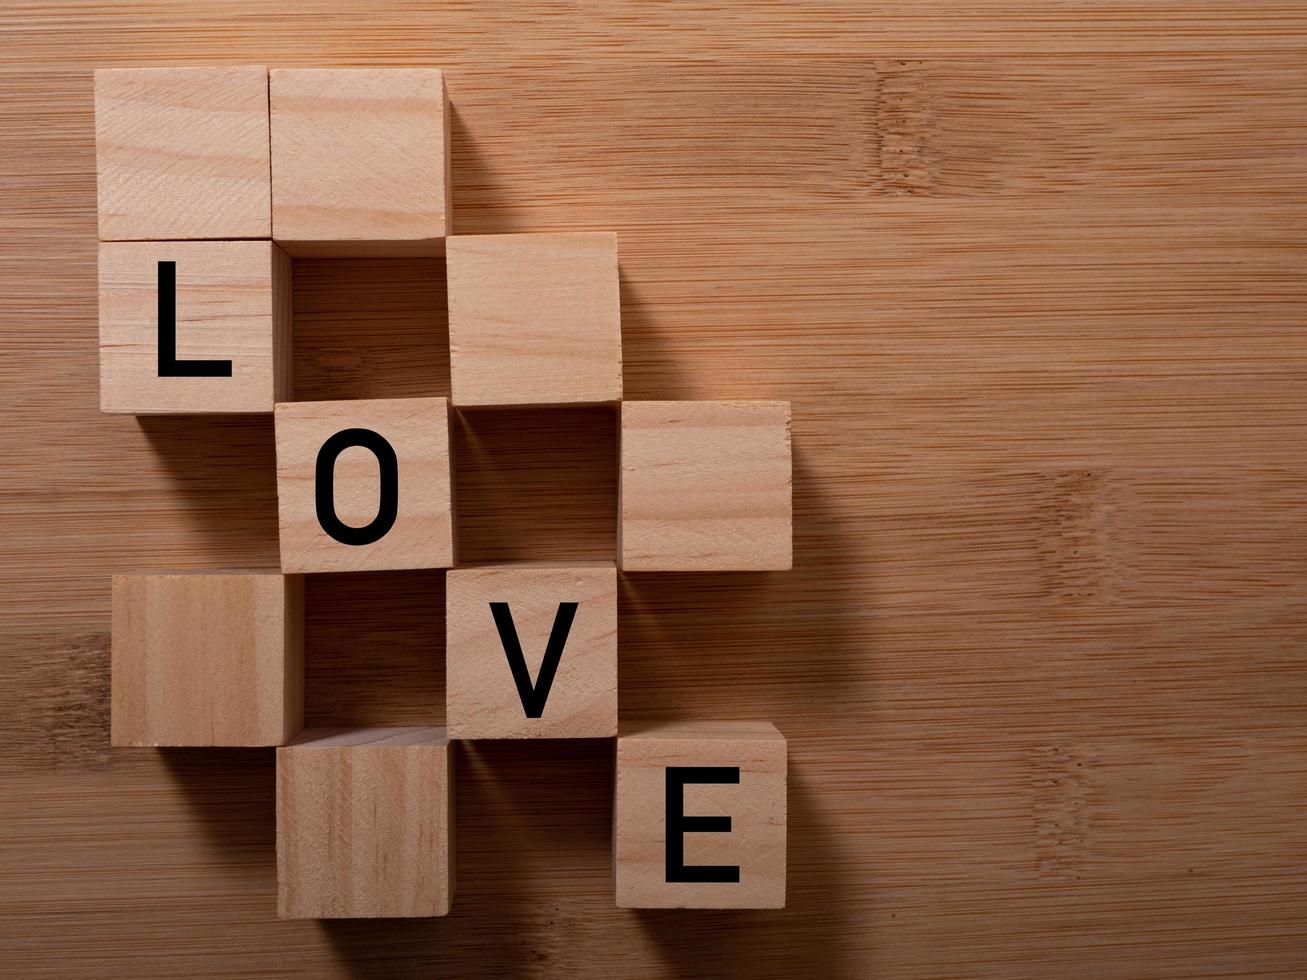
{"type": "Point", "coordinates": [232, 303]}
{"type": "Point", "coordinates": [417, 533]}
{"type": "Point", "coordinates": [182, 153]}
{"type": "Point", "coordinates": [534, 319]}
{"type": "Point", "coordinates": [207, 659]}
{"type": "Point", "coordinates": [744, 784]}
{"type": "Point", "coordinates": [1032, 276]}
{"type": "Point", "coordinates": [360, 160]}
{"type": "Point", "coordinates": [706, 486]}
{"type": "Point", "coordinates": [482, 699]}
{"type": "Point", "coordinates": [364, 824]}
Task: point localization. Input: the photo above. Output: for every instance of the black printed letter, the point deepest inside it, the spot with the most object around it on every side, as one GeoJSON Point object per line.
{"type": "Point", "coordinates": [533, 696]}
{"type": "Point", "coordinates": [678, 824]}
{"type": "Point", "coordinates": [325, 488]}
{"type": "Point", "coordinates": [169, 366]}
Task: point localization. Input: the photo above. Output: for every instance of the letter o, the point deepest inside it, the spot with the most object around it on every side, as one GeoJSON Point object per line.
{"type": "Point", "coordinates": [325, 487]}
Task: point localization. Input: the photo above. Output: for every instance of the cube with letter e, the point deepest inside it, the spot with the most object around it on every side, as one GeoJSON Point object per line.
{"type": "Point", "coordinates": [699, 818]}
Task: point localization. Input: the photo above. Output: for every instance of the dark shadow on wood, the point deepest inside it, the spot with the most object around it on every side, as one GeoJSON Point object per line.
{"type": "Point", "coordinates": [232, 795]}
{"type": "Point", "coordinates": [370, 328]}
{"type": "Point", "coordinates": [536, 484]}
{"type": "Point", "coordinates": [526, 811]}
{"type": "Point", "coordinates": [374, 648]}
{"type": "Point", "coordinates": [225, 470]}
{"type": "Point", "coordinates": [745, 645]}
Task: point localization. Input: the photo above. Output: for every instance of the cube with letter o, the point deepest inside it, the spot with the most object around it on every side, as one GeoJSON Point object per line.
{"type": "Point", "coordinates": [364, 485]}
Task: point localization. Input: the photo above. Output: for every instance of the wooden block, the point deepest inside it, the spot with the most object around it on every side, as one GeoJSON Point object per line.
{"type": "Point", "coordinates": [360, 161]}
{"type": "Point", "coordinates": [207, 658]}
{"type": "Point", "coordinates": [364, 485]}
{"type": "Point", "coordinates": [182, 153]}
{"type": "Point", "coordinates": [534, 319]}
{"type": "Point", "coordinates": [699, 816]}
{"type": "Point", "coordinates": [365, 824]}
{"type": "Point", "coordinates": [705, 486]}
{"type": "Point", "coordinates": [231, 303]}
{"type": "Point", "coordinates": [549, 649]}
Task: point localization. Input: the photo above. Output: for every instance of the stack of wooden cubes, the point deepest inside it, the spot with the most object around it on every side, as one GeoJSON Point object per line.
{"type": "Point", "coordinates": [210, 181]}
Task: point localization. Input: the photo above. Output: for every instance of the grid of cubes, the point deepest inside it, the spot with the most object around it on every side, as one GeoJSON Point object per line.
{"type": "Point", "coordinates": [210, 180]}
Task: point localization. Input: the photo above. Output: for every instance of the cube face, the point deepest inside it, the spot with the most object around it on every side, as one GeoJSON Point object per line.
{"type": "Point", "coordinates": [534, 319]}
{"type": "Point", "coordinates": [231, 303]}
{"type": "Point", "coordinates": [182, 153]}
{"type": "Point", "coordinates": [325, 468]}
{"type": "Point", "coordinates": [364, 824]}
{"type": "Point", "coordinates": [706, 486]}
{"type": "Point", "coordinates": [483, 699]}
{"type": "Point", "coordinates": [360, 160]}
{"type": "Point", "coordinates": [207, 659]}
{"type": "Point", "coordinates": [718, 769]}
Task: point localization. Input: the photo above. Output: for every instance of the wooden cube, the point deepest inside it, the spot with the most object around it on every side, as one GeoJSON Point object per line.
{"type": "Point", "coordinates": [705, 486]}
{"type": "Point", "coordinates": [365, 824]}
{"type": "Point", "coordinates": [534, 319]}
{"type": "Point", "coordinates": [364, 485]}
{"type": "Point", "coordinates": [531, 651]}
{"type": "Point", "coordinates": [360, 161]}
{"type": "Point", "coordinates": [207, 659]}
{"type": "Point", "coordinates": [699, 816]}
{"type": "Point", "coordinates": [230, 303]}
{"type": "Point", "coordinates": [182, 153]}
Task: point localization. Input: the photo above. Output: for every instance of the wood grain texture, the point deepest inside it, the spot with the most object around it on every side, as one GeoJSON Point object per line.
{"type": "Point", "coordinates": [752, 840]}
{"type": "Point", "coordinates": [182, 153]}
{"type": "Point", "coordinates": [415, 531]}
{"type": "Point", "coordinates": [482, 699]}
{"type": "Point", "coordinates": [232, 303]}
{"type": "Point", "coordinates": [1039, 661]}
{"type": "Point", "coordinates": [207, 659]}
{"type": "Point", "coordinates": [706, 486]}
{"type": "Point", "coordinates": [360, 160]}
{"type": "Point", "coordinates": [364, 824]}
{"type": "Point", "coordinates": [370, 328]}
{"type": "Point", "coordinates": [534, 319]}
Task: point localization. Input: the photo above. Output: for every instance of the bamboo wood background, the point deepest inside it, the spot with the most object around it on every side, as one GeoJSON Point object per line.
{"type": "Point", "coordinates": [1033, 275]}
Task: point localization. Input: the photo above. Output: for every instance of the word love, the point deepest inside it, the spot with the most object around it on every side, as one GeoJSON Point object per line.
{"type": "Point", "coordinates": [210, 181]}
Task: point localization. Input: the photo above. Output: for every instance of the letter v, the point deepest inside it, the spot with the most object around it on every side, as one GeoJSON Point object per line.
{"type": "Point", "coordinates": [534, 695]}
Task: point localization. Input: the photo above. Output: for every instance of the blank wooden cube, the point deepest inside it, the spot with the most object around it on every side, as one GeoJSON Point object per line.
{"type": "Point", "coordinates": [207, 658]}
{"type": "Point", "coordinates": [699, 817]}
{"type": "Point", "coordinates": [705, 486]}
{"type": "Point", "coordinates": [365, 823]}
{"type": "Point", "coordinates": [360, 161]}
{"type": "Point", "coordinates": [182, 153]}
{"type": "Point", "coordinates": [364, 485]}
{"type": "Point", "coordinates": [231, 303]}
{"type": "Point", "coordinates": [534, 319]}
{"type": "Point", "coordinates": [483, 699]}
